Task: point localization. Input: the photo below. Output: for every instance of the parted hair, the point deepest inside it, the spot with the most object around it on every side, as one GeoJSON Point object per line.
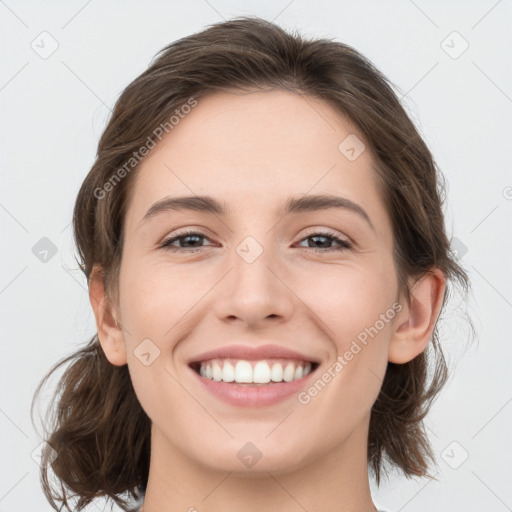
{"type": "Point", "coordinates": [95, 423]}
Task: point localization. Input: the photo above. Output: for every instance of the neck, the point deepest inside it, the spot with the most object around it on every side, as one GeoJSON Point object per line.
{"type": "Point", "coordinates": [336, 481]}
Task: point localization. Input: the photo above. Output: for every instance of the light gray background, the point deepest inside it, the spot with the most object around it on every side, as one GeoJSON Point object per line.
{"type": "Point", "coordinates": [54, 110]}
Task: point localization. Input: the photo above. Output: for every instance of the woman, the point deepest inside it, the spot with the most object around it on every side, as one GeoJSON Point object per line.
{"type": "Point", "coordinates": [272, 362]}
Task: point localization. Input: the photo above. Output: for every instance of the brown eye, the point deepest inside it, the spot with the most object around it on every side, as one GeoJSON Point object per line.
{"type": "Point", "coordinates": [321, 239]}
{"type": "Point", "coordinates": [190, 237]}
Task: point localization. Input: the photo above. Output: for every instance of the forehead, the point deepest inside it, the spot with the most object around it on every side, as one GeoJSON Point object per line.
{"type": "Point", "coordinates": [255, 150]}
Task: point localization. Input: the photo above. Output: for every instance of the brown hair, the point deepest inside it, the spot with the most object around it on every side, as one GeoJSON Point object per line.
{"type": "Point", "coordinates": [100, 431]}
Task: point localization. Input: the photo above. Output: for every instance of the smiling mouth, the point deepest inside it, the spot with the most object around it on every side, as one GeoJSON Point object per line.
{"type": "Point", "coordinates": [253, 373]}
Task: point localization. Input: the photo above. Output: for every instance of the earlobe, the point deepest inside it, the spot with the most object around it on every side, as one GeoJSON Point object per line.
{"type": "Point", "coordinates": [415, 323]}
{"type": "Point", "coordinates": [110, 333]}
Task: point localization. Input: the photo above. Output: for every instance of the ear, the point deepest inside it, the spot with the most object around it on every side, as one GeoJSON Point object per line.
{"type": "Point", "coordinates": [416, 321]}
{"type": "Point", "coordinates": [110, 333]}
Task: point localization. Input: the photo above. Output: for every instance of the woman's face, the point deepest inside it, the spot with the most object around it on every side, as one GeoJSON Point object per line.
{"type": "Point", "coordinates": [255, 276]}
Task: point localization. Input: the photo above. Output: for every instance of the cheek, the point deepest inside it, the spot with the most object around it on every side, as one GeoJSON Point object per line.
{"type": "Point", "coordinates": [355, 306]}
{"type": "Point", "coordinates": [155, 295]}
{"type": "Point", "coordinates": [347, 298]}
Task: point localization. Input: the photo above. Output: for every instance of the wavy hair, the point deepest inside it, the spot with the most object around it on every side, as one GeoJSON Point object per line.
{"type": "Point", "coordinates": [96, 424]}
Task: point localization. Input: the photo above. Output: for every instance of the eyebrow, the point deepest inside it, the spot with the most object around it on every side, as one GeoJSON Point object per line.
{"type": "Point", "coordinates": [307, 203]}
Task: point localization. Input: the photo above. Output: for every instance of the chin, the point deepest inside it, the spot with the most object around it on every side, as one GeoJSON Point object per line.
{"type": "Point", "coordinates": [250, 461]}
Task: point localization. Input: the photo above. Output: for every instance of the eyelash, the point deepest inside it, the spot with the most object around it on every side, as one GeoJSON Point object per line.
{"type": "Point", "coordinates": [344, 244]}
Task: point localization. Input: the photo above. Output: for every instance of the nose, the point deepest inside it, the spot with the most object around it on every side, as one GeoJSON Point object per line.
{"type": "Point", "coordinates": [255, 290]}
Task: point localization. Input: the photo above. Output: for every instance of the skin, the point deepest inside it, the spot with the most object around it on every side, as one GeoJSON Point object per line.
{"type": "Point", "coordinates": [255, 150]}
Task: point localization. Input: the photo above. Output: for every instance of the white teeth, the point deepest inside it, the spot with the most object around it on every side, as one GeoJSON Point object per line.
{"type": "Point", "coordinates": [228, 372]}
{"type": "Point", "coordinates": [277, 372]}
{"type": "Point", "coordinates": [217, 371]}
{"type": "Point", "coordinates": [289, 372]}
{"type": "Point", "coordinates": [243, 372]}
{"type": "Point", "coordinates": [259, 372]}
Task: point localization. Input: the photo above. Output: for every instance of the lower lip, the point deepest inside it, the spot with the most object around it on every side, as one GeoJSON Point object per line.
{"type": "Point", "coordinates": [256, 395]}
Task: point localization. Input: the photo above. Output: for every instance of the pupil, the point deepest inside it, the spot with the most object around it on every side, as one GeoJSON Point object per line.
{"type": "Point", "coordinates": [192, 236]}
{"type": "Point", "coordinates": [317, 237]}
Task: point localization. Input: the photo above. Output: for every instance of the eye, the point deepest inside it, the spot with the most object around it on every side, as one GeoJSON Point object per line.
{"type": "Point", "coordinates": [318, 236]}
{"type": "Point", "coordinates": [190, 236]}
{"type": "Point", "coordinates": [195, 237]}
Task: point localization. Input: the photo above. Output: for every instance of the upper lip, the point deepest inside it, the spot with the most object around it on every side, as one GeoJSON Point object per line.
{"type": "Point", "coordinates": [252, 353]}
